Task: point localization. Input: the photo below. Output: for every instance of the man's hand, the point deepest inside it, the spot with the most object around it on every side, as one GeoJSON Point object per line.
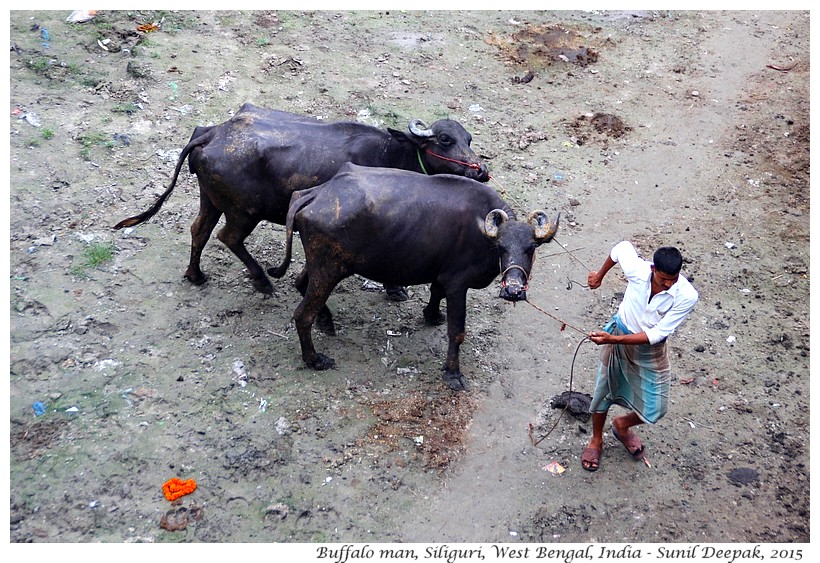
{"type": "Point", "coordinates": [600, 337]}
{"type": "Point", "coordinates": [594, 279]}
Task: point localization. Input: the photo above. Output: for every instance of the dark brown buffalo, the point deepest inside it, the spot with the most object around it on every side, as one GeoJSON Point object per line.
{"type": "Point", "coordinates": [401, 228]}
{"type": "Point", "coordinates": [249, 166]}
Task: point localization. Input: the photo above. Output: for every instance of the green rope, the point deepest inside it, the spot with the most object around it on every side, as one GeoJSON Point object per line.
{"type": "Point", "coordinates": [418, 153]}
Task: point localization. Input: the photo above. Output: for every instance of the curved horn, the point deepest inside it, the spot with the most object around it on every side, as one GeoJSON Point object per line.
{"type": "Point", "coordinates": [494, 219]}
{"type": "Point", "coordinates": [544, 230]}
{"type": "Point", "coordinates": [419, 129]}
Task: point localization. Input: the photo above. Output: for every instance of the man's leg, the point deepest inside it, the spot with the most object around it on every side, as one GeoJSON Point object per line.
{"type": "Point", "coordinates": [623, 431]}
{"type": "Point", "coordinates": [596, 442]}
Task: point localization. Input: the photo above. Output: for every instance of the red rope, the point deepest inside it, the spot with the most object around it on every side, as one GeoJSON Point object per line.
{"type": "Point", "coordinates": [467, 164]}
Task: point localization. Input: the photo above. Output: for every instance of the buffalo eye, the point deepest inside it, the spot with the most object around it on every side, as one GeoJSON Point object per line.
{"type": "Point", "coordinates": [445, 140]}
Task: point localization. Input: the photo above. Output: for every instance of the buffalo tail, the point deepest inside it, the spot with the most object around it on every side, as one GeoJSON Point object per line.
{"type": "Point", "coordinates": [298, 201]}
{"type": "Point", "coordinates": [151, 211]}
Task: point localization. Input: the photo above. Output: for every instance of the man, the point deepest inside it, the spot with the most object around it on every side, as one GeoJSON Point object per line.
{"type": "Point", "coordinates": [634, 368]}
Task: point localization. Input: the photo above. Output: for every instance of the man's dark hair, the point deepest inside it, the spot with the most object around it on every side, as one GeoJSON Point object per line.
{"type": "Point", "coordinates": [668, 260]}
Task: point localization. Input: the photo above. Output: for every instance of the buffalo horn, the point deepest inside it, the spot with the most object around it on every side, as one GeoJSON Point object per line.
{"type": "Point", "coordinates": [544, 230]}
{"type": "Point", "coordinates": [419, 129]}
{"type": "Point", "coordinates": [494, 220]}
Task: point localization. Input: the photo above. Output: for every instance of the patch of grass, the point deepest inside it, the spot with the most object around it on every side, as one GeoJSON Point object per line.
{"type": "Point", "coordinates": [39, 65]}
{"type": "Point", "coordinates": [93, 256]}
{"type": "Point", "coordinates": [262, 41]}
{"type": "Point", "coordinates": [90, 140]}
{"type": "Point", "coordinates": [47, 133]}
{"type": "Point", "coordinates": [33, 143]}
{"type": "Point", "coordinates": [128, 108]}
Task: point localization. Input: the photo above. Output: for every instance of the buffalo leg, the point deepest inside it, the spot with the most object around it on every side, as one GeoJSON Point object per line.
{"type": "Point", "coordinates": [324, 318]}
{"type": "Point", "coordinates": [432, 312]}
{"type": "Point", "coordinates": [233, 235]}
{"type": "Point", "coordinates": [201, 230]}
{"type": "Point", "coordinates": [396, 293]}
{"type": "Point", "coordinates": [316, 295]}
{"type": "Point", "coordinates": [456, 316]}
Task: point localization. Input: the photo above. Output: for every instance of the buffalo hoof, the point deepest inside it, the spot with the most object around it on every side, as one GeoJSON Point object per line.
{"type": "Point", "coordinates": [262, 285]}
{"type": "Point", "coordinates": [434, 318]}
{"type": "Point", "coordinates": [196, 278]}
{"type": "Point", "coordinates": [455, 381]}
{"type": "Point", "coordinates": [397, 293]}
{"type": "Point", "coordinates": [321, 362]}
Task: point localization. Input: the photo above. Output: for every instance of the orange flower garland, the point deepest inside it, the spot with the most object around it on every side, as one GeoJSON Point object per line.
{"type": "Point", "coordinates": [175, 488]}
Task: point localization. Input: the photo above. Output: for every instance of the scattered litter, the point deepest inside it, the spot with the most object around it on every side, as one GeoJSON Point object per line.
{"type": "Point", "coordinates": [744, 290]}
{"type": "Point", "coordinates": [282, 426]}
{"type": "Point", "coordinates": [81, 16]}
{"type": "Point", "coordinates": [731, 340]}
{"type": "Point", "coordinates": [263, 405]}
{"type": "Point", "coordinates": [176, 487]}
{"type": "Point", "coordinates": [46, 38]}
{"type": "Point", "coordinates": [39, 408]}
{"type": "Point", "coordinates": [393, 333]}
{"type": "Point", "coordinates": [419, 440]}
{"type": "Point", "coordinates": [105, 364]}
{"type": "Point", "coordinates": [224, 82]}
{"type": "Point", "coordinates": [369, 285]}
{"type": "Point", "coordinates": [103, 43]}
{"type": "Point", "coordinates": [554, 467]}
{"type": "Point", "coordinates": [513, 533]}
{"type": "Point", "coordinates": [148, 27]}
{"type": "Point", "coordinates": [122, 138]}
{"type": "Point", "coordinates": [72, 409]}
{"type": "Point", "coordinates": [239, 370]}
{"type": "Point", "coordinates": [328, 479]}
{"type": "Point", "coordinates": [174, 88]}
{"type": "Point", "coordinates": [476, 108]}
{"type": "Point", "coordinates": [730, 245]}
{"type": "Point", "coordinates": [46, 241]}
{"type": "Point", "coordinates": [31, 118]}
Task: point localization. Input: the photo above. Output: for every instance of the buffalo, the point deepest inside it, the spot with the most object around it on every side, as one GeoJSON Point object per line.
{"type": "Point", "coordinates": [401, 228]}
{"type": "Point", "coordinates": [249, 166]}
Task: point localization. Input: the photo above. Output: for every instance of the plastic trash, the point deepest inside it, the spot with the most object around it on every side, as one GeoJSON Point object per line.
{"type": "Point", "coordinates": [39, 408]}
{"type": "Point", "coordinates": [81, 16]}
{"type": "Point", "coordinates": [31, 118]}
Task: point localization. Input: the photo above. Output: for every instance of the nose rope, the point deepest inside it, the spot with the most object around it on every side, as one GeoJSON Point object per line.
{"type": "Point", "coordinates": [474, 166]}
{"type": "Point", "coordinates": [527, 275]}
{"type": "Point", "coordinates": [511, 267]}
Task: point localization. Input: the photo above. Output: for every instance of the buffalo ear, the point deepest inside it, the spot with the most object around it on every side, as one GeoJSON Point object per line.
{"type": "Point", "coordinates": [493, 221]}
{"type": "Point", "coordinates": [402, 136]}
{"type": "Point", "coordinates": [543, 229]}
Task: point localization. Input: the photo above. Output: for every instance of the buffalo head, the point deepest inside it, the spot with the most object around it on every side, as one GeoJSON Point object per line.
{"type": "Point", "coordinates": [444, 148]}
{"type": "Point", "coordinates": [517, 242]}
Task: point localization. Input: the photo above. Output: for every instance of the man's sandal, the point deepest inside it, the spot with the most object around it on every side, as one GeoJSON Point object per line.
{"type": "Point", "coordinates": [632, 444]}
{"type": "Point", "coordinates": [591, 459]}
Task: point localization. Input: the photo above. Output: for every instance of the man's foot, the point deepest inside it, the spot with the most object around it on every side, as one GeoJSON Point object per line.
{"type": "Point", "coordinates": [591, 459]}
{"type": "Point", "coordinates": [631, 442]}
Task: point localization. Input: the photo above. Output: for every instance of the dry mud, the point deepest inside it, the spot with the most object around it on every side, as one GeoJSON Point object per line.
{"type": "Point", "coordinates": [687, 128]}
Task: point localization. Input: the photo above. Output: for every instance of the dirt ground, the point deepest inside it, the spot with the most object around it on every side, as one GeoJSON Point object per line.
{"type": "Point", "coordinates": [687, 128]}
